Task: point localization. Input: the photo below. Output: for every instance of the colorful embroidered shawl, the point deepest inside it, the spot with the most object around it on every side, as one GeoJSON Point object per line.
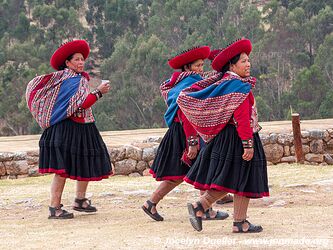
{"type": "Point", "coordinates": [210, 103]}
{"type": "Point", "coordinates": [171, 88]}
{"type": "Point", "coordinates": [56, 96]}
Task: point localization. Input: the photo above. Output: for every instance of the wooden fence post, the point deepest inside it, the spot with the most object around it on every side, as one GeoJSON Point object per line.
{"type": "Point", "coordinates": [297, 138]}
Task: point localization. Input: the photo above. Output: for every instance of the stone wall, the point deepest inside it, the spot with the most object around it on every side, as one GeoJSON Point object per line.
{"type": "Point", "coordinates": [136, 158]}
{"type": "Point", "coordinates": [317, 147]}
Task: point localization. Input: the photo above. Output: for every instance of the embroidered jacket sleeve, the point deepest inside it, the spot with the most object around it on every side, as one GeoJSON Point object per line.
{"type": "Point", "coordinates": [242, 116]}
{"type": "Point", "coordinates": [188, 129]}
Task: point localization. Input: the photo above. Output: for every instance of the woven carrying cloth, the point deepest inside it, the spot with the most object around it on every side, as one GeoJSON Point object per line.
{"type": "Point", "coordinates": [209, 104]}
{"type": "Point", "coordinates": [56, 96]}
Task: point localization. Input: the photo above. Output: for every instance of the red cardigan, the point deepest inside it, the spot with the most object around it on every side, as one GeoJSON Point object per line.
{"type": "Point", "coordinates": [242, 118]}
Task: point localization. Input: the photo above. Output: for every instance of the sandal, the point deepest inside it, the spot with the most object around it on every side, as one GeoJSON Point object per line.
{"type": "Point", "coordinates": [80, 208]}
{"type": "Point", "coordinates": [226, 199]}
{"type": "Point", "coordinates": [63, 215]}
{"type": "Point", "coordinates": [252, 228]}
{"type": "Point", "coordinates": [220, 215]}
{"type": "Point", "coordinates": [155, 216]}
{"type": "Point", "coordinates": [196, 221]}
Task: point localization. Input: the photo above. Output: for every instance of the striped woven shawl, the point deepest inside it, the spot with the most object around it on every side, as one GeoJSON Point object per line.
{"type": "Point", "coordinates": [209, 104]}
{"type": "Point", "coordinates": [56, 96]}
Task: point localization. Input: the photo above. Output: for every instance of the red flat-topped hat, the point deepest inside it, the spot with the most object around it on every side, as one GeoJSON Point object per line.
{"type": "Point", "coordinates": [188, 56]}
{"type": "Point", "coordinates": [66, 49]}
{"type": "Point", "coordinates": [232, 50]}
{"type": "Point", "coordinates": [213, 54]}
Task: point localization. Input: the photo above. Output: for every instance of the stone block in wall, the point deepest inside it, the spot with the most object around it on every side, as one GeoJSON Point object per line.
{"type": "Point", "coordinates": [6, 156]}
{"type": "Point", "coordinates": [317, 146]}
{"type": "Point", "coordinates": [133, 152]}
{"type": "Point", "coordinates": [19, 156]}
{"type": "Point", "coordinates": [117, 154]}
{"type": "Point", "coordinates": [328, 159]}
{"type": "Point", "coordinates": [273, 152]}
{"type": "Point", "coordinates": [306, 149]}
{"type": "Point", "coordinates": [305, 134]}
{"type": "Point", "coordinates": [327, 136]}
{"type": "Point", "coordinates": [125, 167]}
{"type": "Point", "coordinates": [17, 167]}
{"type": "Point", "coordinates": [288, 159]}
{"type": "Point", "coordinates": [330, 143]}
{"type": "Point", "coordinates": [155, 149]}
{"type": "Point", "coordinates": [273, 138]}
{"type": "Point", "coordinates": [286, 151]}
{"type": "Point", "coordinates": [329, 148]}
{"type": "Point", "coordinates": [285, 139]}
{"type": "Point", "coordinates": [141, 165]}
{"type": "Point", "coordinates": [148, 154]}
{"type": "Point", "coordinates": [305, 140]}
{"type": "Point", "coordinates": [316, 134]}
{"type": "Point", "coordinates": [264, 139]}
{"type": "Point", "coordinates": [157, 139]}
{"type": "Point", "coordinates": [32, 160]}
{"type": "Point", "coordinates": [2, 169]}
{"type": "Point", "coordinates": [314, 157]}
{"type": "Point", "coordinates": [33, 171]}
{"type": "Point", "coordinates": [33, 153]}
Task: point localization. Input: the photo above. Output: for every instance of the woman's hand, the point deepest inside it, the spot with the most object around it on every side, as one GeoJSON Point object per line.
{"type": "Point", "coordinates": [192, 152]}
{"type": "Point", "coordinates": [104, 87]}
{"type": "Point", "coordinates": [248, 154]}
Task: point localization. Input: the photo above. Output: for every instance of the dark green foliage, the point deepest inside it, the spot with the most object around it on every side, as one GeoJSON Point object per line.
{"type": "Point", "coordinates": [131, 41]}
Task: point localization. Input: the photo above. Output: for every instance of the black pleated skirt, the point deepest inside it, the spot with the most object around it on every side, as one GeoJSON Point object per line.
{"type": "Point", "coordinates": [74, 150]}
{"type": "Point", "coordinates": [167, 164]}
{"type": "Point", "coordinates": [220, 166]}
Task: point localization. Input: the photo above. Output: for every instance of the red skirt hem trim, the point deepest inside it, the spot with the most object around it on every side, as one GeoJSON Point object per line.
{"type": "Point", "coordinates": [200, 186]}
{"type": "Point", "coordinates": [164, 178]}
{"type": "Point", "coordinates": [62, 173]}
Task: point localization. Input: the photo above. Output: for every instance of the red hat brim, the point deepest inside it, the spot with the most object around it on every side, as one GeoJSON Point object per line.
{"type": "Point", "coordinates": [238, 47]}
{"type": "Point", "coordinates": [64, 51]}
{"type": "Point", "coordinates": [189, 56]}
{"type": "Point", "coordinates": [213, 53]}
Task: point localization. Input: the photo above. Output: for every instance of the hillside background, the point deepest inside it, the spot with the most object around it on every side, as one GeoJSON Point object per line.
{"type": "Point", "coordinates": [131, 41]}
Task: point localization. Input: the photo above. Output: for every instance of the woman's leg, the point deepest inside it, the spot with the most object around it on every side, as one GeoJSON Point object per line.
{"type": "Point", "coordinates": [162, 190]}
{"type": "Point", "coordinates": [208, 198]}
{"type": "Point", "coordinates": [196, 210]}
{"type": "Point", "coordinates": [57, 188]}
{"type": "Point", "coordinates": [211, 211]}
{"type": "Point", "coordinates": [241, 204]}
{"type": "Point", "coordinates": [241, 225]}
{"type": "Point", "coordinates": [81, 189]}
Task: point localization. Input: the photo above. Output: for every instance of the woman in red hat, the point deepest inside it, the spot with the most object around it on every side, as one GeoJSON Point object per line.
{"type": "Point", "coordinates": [224, 114]}
{"type": "Point", "coordinates": [180, 144]}
{"type": "Point", "coordinates": [70, 146]}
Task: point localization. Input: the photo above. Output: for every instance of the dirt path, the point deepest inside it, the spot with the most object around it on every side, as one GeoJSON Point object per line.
{"type": "Point", "coordinates": [297, 215]}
